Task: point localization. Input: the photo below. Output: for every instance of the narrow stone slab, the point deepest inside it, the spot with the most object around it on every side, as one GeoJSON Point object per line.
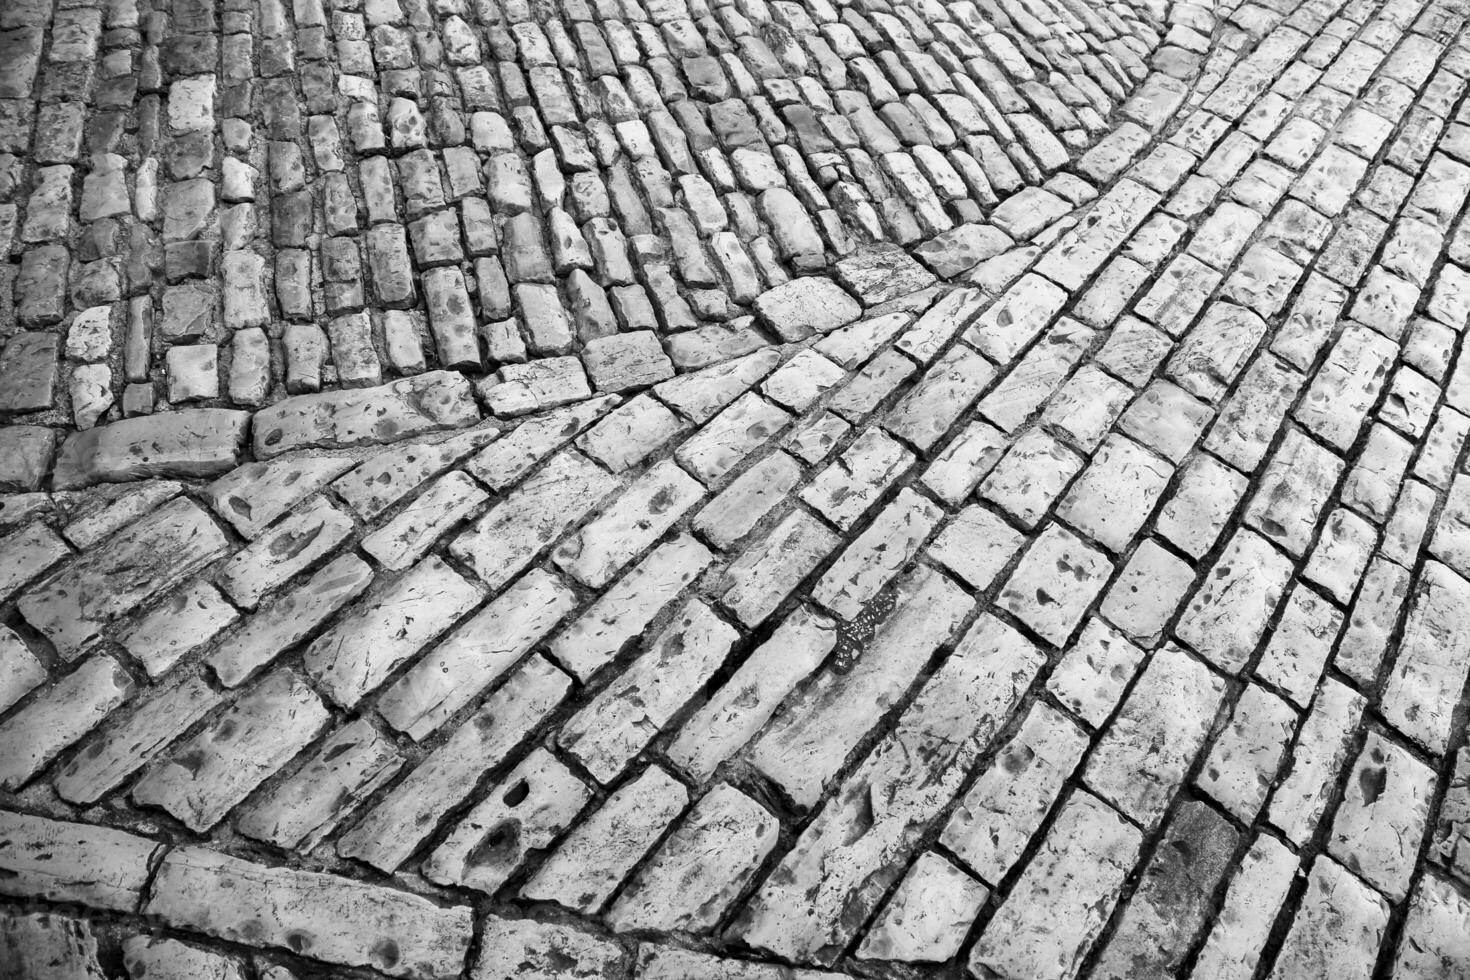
{"type": "Point", "coordinates": [387, 476]}
{"type": "Point", "coordinates": [1424, 686]}
{"type": "Point", "coordinates": [72, 862]}
{"type": "Point", "coordinates": [289, 619]}
{"type": "Point", "coordinates": [169, 959]}
{"type": "Point", "coordinates": [524, 812]}
{"type": "Point", "coordinates": [59, 716]}
{"type": "Point", "coordinates": [648, 507]}
{"type": "Point", "coordinates": [472, 657]}
{"type": "Point", "coordinates": [810, 304]}
{"type": "Point", "coordinates": [811, 739]}
{"type": "Point", "coordinates": [349, 766]}
{"type": "Point", "coordinates": [993, 824]}
{"type": "Point", "coordinates": [929, 915]}
{"type": "Point", "coordinates": [319, 916]}
{"type": "Point", "coordinates": [1337, 930]}
{"type": "Point", "coordinates": [444, 503]}
{"type": "Point", "coordinates": [731, 436]}
{"type": "Point", "coordinates": [1090, 678]}
{"type": "Point", "coordinates": [877, 555]}
{"type": "Point", "coordinates": [184, 622]}
{"type": "Point", "coordinates": [626, 609]}
{"type": "Point", "coordinates": [1049, 921]}
{"type": "Point", "coordinates": [1383, 816]}
{"type": "Point", "coordinates": [812, 905]}
{"type": "Point", "coordinates": [1143, 756]}
{"type": "Point", "coordinates": [49, 947]}
{"type": "Point", "coordinates": [881, 272]}
{"type": "Point", "coordinates": [614, 726]}
{"type": "Point", "coordinates": [1225, 619]}
{"type": "Point", "coordinates": [583, 872]}
{"type": "Point", "coordinates": [1434, 941]}
{"type": "Point", "coordinates": [408, 814]}
{"type": "Point", "coordinates": [20, 671]}
{"type": "Point", "coordinates": [976, 546]}
{"type": "Point", "coordinates": [312, 532]}
{"type": "Point", "coordinates": [845, 490]}
{"type": "Point", "coordinates": [1321, 749]}
{"type": "Point", "coordinates": [1243, 762]}
{"type": "Point", "coordinates": [694, 876]}
{"type": "Point", "coordinates": [391, 626]}
{"type": "Point", "coordinates": [186, 443]}
{"type": "Point", "coordinates": [749, 497]}
{"type": "Point", "coordinates": [511, 949]}
{"type": "Point", "coordinates": [165, 547]}
{"type": "Point", "coordinates": [158, 717]}
{"type": "Point", "coordinates": [402, 409]}
{"type": "Point", "coordinates": [500, 544]}
{"type": "Point", "coordinates": [740, 708]}
{"type": "Point", "coordinates": [1243, 927]}
{"type": "Point", "coordinates": [204, 777]}
{"type": "Point", "coordinates": [756, 583]}
{"type": "Point", "coordinates": [252, 497]}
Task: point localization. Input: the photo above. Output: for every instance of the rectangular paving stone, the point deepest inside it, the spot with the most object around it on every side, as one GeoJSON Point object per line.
{"type": "Point", "coordinates": [59, 716]}
{"type": "Point", "coordinates": [996, 819]}
{"type": "Point", "coordinates": [1144, 754]}
{"type": "Point", "coordinates": [1228, 615]}
{"type": "Point", "coordinates": [157, 718]}
{"type": "Point", "coordinates": [1114, 496]}
{"type": "Point", "coordinates": [743, 704]}
{"type": "Point", "coordinates": [325, 917]}
{"type": "Point", "coordinates": [1243, 762]}
{"type": "Point", "coordinates": [402, 409]}
{"type": "Point", "coordinates": [502, 464]}
{"type": "Point", "coordinates": [630, 433]}
{"type": "Point", "coordinates": [390, 626]}
{"type": "Point", "coordinates": [1432, 938]}
{"type": "Point", "coordinates": [444, 503]}
{"type": "Point", "coordinates": [1058, 577]}
{"type": "Point", "coordinates": [625, 610]}
{"type": "Point", "coordinates": [1104, 227]}
{"type": "Point", "coordinates": [964, 461]}
{"type": "Point", "coordinates": [866, 389]}
{"type": "Point", "coordinates": [731, 436]}
{"type": "Point", "coordinates": [1337, 929]}
{"type": "Point", "coordinates": [349, 766]}
{"type": "Point", "coordinates": [500, 544]}
{"type": "Point", "coordinates": [395, 827]}
{"type": "Point", "coordinates": [1292, 491]}
{"type": "Point", "coordinates": [812, 905]}
{"type": "Point", "coordinates": [524, 812]}
{"type": "Point", "coordinates": [737, 509]}
{"type": "Point", "coordinates": [313, 531]}
{"type": "Point", "coordinates": [20, 671]}
{"type": "Point", "coordinates": [1321, 748]}
{"type": "Point", "coordinates": [1383, 816]}
{"type": "Point", "coordinates": [61, 861]}
{"type": "Point", "coordinates": [26, 554]}
{"type": "Point", "coordinates": [1240, 932]}
{"type": "Point", "coordinates": [810, 740]}
{"type": "Point", "coordinates": [976, 546]}
{"type": "Point", "coordinates": [73, 608]}
{"type": "Point", "coordinates": [933, 330]}
{"type": "Point", "coordinates": [1348, 383]}
{"type": "Point", "coordinates": [612, 728]}
{"type": "Point", "coordinates": [203, 778]}
{"type": "Point", "coordinates": [1174, 899]}
{"type": "Point", "coordinates": [939, 398]}
{"type": "Point", "coordinates": [1342, 552]}
{"type": "Point", "coordinates": [477, 653]}
{"type": "Point", "coordinates": [585, 869]}
{"type": "Point", "coordinates": [283, 623]}
{"type": "Point", "coordinates": [1054, 912]}
{"type": "Point", "coordinates": [1092, 673]}
{"type": "Point", "coordinates": [928, 916]}
{"type": "Point", "coordinates": [184, 622]}
{"type": "Point", "coordinates": [755, 584]}
{"type": "Point", "coordinates": [876, 555]}
{"type": "Point", "coordinates": [1426, 679]}
{"type": "Point", "coordinates": [1034, 378]}
{"type": "Point", "coordinates": [1016, 318]}
{"type": "Point", "coordinates": [1030, 477]}
{"type": "Point", "coordinates": [1300, 645]}
{"type": "Point", "coordinates": [699, 871]}
{"type": "Point", "coordinates": [633, 521]}
{"type": "Point", "coordinates": [251, 497]}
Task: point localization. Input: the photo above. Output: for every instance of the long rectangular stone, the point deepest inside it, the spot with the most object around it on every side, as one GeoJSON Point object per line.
{"type": "Point", "coordinates": [1254, 899]}
{"type": "Point", "coordinates": [59, 716]}
{"type": "Point", "coordinates": [743, 705]}
{"type": "Point", "coordinates": [1347, 384]}
{"type": "Point", "coordinates": [1293, 490]}
{"type": "Point", "coordinates": [1426, 680]}
{"type": "Point", "coordinates": [877, 555]}
{"type": "Point", "coordinates": [1242, 764]}
{"type": "Point", "coordinates": [182, 623]}
{"type": "Point", "coordinates": [649, 506]}
{"type": "Point", "coordinates": [525, 811]}
{"type": "Point", "coordinates": [994, 822]}
{"type": "Point", "coordinates": [511, 534]}
{"type": "Point", "coordinates": [401, 821]}
{"type": "Point", "coordinates": [289, 619]}
{"type": "Point", "coordinates": [323, 917]}
{"type": "Point", "coordinates": [349, 766]}
{"type": "Point", "coordinates": [1227, 616]}
{"type": "Point", "coordinates": [1321, 749]}
{"type": "Point", "coordinates": [1016, 318]}
{"type": "Point", "coordinates": [1143, 756]}
{"type": "Point", "coordinates": [928, 410]}
{"type": "Point", "coordinates": [625, 610]}
{"type": "Point", "coordinates": [1034, 379]}
{"type": "Point", "coordinates": [312, 532]}
{"type": "Point", "coordinates": [582, 873]}
{"type": "Point", "coordinates": [755, 584]}
{"type": "Point", "coordinates": [61, 861]}
{"type": "Point", "coordinates": [694, 876]}
{"type": "Point", "coordinates": [401, 409]}
{"type": "Point", "coordinates": [444, 503]}
{"type": "Point", "coordinates": [750, 496]}
{"type": "Point", "coordinates": [852, 483]}
{"type": "Point", "coordinates": [359, 653]}
{"type": "Point", "coordinates": [1337, 930]}
{"type": "Point", "coordinates": [156, 719]}
{"type": "Point", "coordinates": [1054, 912]}
{"type": "Point", "coordinates": [251, 497]}
{"type": "Point", "coordinates": [626, 715]}
{"type": "Point", "coordinates": [477, 653]}
{"type": "Point", "coordinates": [73, 608]}
{"type": "Point", "coordinates": [203, 778]}
{"type": "Point", "coordinates": [389, 475]}
{"type": "Point", "coordinates": [729, 437]}
{"type": "Point", "coordinates": [1101, 231]}
{"type": "Point", "coordinates": [1384, 815]}
{"type": "Point", "coordinates": [809, 742]}
{"type": "Point", "coordinates": [812, 905]}
{"type": "Point", "coordinates": [190, 442]}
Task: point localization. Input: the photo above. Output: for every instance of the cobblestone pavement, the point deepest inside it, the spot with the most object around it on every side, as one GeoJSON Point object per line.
{"type": "Point", "coordinates": [734, 489]}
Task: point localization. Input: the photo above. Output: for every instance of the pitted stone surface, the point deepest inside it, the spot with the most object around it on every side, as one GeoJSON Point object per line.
{"type": "Point", "coordinates": [786, 490]}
